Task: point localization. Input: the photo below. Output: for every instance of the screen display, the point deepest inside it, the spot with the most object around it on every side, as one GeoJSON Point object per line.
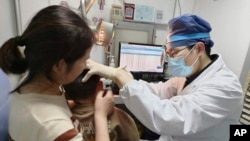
{"type": "Point", "coordinates": [141, 57]}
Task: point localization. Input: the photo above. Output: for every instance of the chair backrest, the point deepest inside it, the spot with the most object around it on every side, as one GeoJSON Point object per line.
{"type": "Point", "coordinates": [245, 115]}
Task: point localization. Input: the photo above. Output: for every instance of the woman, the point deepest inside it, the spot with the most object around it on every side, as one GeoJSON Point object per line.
{"type": "Point", "coordinates": [57, 44]}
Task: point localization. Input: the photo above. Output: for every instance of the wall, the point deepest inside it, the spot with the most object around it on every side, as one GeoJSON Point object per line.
{"type": "Point", "coordinates": [7, 18]}
{"type": "Point", "coordinates": [231, 31]}
{"type": "Point", "coordinates": [160, 30]}
{"type": "Point", "coordinates": [170, 9]}
{"type": "Point", "coordinates": [246, 68]}
{"type": "Point", "coordinates": [165, 5]}
{"type": "Point", "coordinates": [8, 28]}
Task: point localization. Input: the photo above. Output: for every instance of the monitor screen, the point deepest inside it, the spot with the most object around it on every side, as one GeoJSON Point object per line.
{"type": "Point", "coordinates": [139, 57]}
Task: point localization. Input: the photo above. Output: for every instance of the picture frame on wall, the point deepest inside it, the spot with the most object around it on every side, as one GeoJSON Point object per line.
{"type": "Point", "coordinates": [144, 13]}
{"type": "Point", "coordinates": [129, 10]}
{"type": "Point", "coordinates": [116, 13]}
{"type": "Point", "coordinates": [158, 16]}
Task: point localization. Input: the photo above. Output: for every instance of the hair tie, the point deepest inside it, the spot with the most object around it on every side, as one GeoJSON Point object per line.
{"type": "Point", "coordinates": [19, 41]}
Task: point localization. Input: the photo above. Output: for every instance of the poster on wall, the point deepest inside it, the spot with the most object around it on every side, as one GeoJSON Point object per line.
{"type": "Point", "coordinates": [140, 13]}
{"type": "Point", "coordinates": [144, 13]}
{"type": "Point", "coordinates": [158, 16]}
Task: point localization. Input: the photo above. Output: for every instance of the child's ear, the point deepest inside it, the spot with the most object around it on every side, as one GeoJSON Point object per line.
{"type": "Point", "coordinates": [99, 86]}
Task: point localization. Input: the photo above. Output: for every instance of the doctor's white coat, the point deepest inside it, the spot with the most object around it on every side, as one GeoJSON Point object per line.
{"type": "Point", "coordinates": [202, 111]}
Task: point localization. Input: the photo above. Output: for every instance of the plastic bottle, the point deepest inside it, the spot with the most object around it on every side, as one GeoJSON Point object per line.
{"type": "Point", "coordinates": [112, 61]}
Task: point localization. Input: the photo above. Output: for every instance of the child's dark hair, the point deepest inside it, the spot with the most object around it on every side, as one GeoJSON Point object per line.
{"type": "Point", "coordinates": [54, 33]}
{"type": "Point", "coordinates": [79, 90]}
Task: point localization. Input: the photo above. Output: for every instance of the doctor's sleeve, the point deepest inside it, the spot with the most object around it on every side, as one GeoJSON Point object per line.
{"type": "Point", "coordinates": [180, 115]}
{"type": "Point", "coordinates": [167, 89]}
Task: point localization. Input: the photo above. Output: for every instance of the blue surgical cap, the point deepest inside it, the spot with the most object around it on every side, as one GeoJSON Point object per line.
{"type": "Point", "coordinates": [187, 30]}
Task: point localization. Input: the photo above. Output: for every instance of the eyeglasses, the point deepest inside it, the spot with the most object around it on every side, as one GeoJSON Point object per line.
{"type": "Point", "coordinates": [174, 53]}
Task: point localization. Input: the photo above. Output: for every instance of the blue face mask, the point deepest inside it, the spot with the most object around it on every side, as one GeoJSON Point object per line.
{"type": "Point", "coordinates": [177, 66]}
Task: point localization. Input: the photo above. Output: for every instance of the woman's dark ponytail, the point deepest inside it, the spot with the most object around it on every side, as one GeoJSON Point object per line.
{"type": "Point", "coordinates": [11, 58]}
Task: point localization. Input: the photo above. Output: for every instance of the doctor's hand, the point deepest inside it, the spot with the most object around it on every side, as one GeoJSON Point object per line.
{"type": "Point", "coordinates": [120, 75]}
{"type": "Point", "coordinates": [104, 103]}
{"type": "Point", "coordinates": [98, 69]}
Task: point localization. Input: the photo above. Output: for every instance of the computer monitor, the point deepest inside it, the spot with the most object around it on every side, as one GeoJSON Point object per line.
{"type": "Point", "coordinates": [138, 57]}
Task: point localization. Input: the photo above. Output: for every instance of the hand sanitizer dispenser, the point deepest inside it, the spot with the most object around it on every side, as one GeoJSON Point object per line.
{"type": "Point", "coordinates": [112, 61]}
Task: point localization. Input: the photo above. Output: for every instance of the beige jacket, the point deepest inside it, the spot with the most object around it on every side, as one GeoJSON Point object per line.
{"type": "Point", "coordinates": [121, 126]}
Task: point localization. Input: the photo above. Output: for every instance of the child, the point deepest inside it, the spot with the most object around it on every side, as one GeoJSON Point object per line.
{"type": "Point", "coordinates": [120, 125]}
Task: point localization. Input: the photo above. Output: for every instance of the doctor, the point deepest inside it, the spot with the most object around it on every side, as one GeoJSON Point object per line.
{"type": "Point", "coordinates": [199, 104]}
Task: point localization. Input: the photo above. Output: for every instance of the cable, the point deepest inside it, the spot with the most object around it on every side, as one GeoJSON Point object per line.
{"type": "Point", "coordinates": [122, 1]}
{"type": "Point", "coordinates": [179, 3]}
{"type": "Point", "coordinates": [175, 2]}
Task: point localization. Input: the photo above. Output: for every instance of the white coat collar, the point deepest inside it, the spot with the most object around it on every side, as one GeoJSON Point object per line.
{"type": "Point", "coordinates": [206, 74]}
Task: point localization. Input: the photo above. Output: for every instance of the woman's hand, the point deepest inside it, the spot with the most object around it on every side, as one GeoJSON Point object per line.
{"type": "Point", "coordinates": [104, 103]}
